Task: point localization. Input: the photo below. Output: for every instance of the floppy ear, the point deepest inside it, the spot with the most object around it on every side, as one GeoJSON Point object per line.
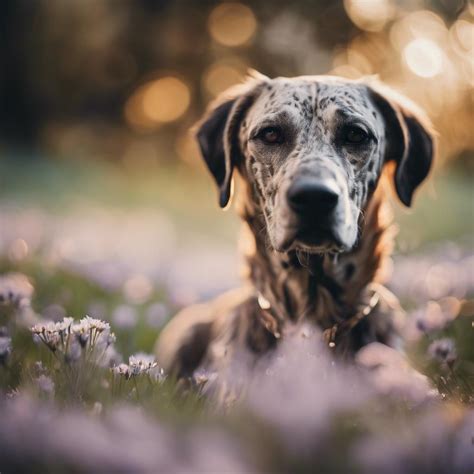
{"type": "Point", "coordinates": [410, 140]}
{"type": "Point", "coordinates": [217, 134]}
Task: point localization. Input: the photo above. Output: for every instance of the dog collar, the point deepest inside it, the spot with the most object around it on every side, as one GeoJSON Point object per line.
{"type": "Point", "coordinates": [338, 330]}
{"type": "Point", "coordinates": [330, 335]}
{"type": "Point", "coordinates": [266, 317]}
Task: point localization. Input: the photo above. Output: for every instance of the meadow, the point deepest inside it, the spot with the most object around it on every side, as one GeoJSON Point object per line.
{"type": "Point", "coordinates": [94, 261]}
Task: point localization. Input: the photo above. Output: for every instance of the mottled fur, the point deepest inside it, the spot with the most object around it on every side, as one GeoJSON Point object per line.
{"type": "Point", "coordinates": [323, 283]}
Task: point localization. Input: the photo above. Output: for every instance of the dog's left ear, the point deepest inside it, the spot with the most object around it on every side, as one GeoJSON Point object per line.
{"type": "Point", "coordinates": [410, 140]}
{"type": "Point", "coordinates": [217, 133]}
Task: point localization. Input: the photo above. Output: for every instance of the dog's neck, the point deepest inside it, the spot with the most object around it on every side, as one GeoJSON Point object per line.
{"type": "Point", "coordinates": [325, 289]}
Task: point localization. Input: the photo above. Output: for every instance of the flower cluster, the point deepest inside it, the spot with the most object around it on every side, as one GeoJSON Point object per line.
{"type": "Point", "coordinates": [70, 338]}
{"type": "Point", "coordinates": [140, 364]}
{"type": "Point", "coordinates": [54, 335]}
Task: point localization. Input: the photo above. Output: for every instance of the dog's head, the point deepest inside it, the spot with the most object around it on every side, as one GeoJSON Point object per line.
{"type": "Point", "coordinates": [313, 149]}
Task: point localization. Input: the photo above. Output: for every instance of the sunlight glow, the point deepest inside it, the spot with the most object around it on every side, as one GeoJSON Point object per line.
{"type": "Point", "coordinates": [221, 76]}
{"type": "Point", "coordinates": [369, 15]}
{"type": "Point", "coordinates": [351, 63]}
{"type": "Point", "coordinates": [423, 57]}
{"type": "Point", "coordinates": [419, 24]}
{"type": "Point", "coordinates": [232, 24]}
{"type": "Point", "coordinates": [166, 99]}
{"type": "Point", "coordinates": [462, 37]}
{"type": "Point", "coordinates": [160, 101]}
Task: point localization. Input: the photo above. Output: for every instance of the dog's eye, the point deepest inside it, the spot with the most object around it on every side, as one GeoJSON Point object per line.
{"type": "Point", "coordinates": [355, 135]}
{"type": "Point", "coordinates": [271, 135]}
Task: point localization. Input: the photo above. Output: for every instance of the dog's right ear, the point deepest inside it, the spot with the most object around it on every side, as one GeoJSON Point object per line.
{"type": "Point", "coordinates": [217, 133]}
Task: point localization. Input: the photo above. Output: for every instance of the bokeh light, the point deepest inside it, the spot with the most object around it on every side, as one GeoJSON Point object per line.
{"type": "Point", "coordinates": [232, 24]}
{"type": "Point", "coordinates": [160, 101]}
{"type": "Point", "coordinates": [369, 15]}
{"type": "Point", "coordinates": [463, 36]}
{"type": "Point", "coordinates": [419, 24]}
{"type": "Point", "coordinates": [166, 99]}
{"type": "Point", "coordinates": [352, 64]}
{"type": "Point", "coordinates": [462, 42]}
{"type": "Point", "coordinates": [137, 289]}
{"type": "Point", "coordinates": [221, 75]}
{"type": "Point", "coordinates": [423, 57]}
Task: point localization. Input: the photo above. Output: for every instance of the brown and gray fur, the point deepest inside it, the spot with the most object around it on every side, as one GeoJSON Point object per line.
{"type": "Point", "coordinates": [314, 266]}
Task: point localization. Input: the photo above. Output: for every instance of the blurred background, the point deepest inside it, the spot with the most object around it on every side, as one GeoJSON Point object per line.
{"type": "Point", "coordinates": [104, 200]}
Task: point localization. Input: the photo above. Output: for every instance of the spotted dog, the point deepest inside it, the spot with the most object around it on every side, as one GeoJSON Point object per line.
{"type": "Point", "coordinates": [309, 156]}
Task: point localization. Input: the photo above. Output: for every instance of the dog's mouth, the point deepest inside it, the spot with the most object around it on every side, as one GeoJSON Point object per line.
{"type": "Point", "coordinates": [318, 241]}
{"type": "Point", "coordinates": [313, 239]}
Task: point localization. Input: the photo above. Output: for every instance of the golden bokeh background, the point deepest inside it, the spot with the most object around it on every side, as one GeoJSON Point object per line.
{"type": "Point", "coordinates": [143, 71]}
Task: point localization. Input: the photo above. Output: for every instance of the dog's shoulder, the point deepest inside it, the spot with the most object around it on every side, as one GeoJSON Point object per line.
{"type": "Point", "coordinates": [384, 324]}
{"type": "Point", "coordinates": [184, 341]}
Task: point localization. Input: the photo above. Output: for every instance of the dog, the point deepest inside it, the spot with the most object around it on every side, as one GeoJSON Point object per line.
{"type": "Point", "coordinates": [310, 156]}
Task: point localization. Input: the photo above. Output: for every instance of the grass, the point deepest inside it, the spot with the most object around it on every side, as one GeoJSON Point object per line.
{"type": "Point", "coordinates": [329, 418]}
{"type": "Point", "coordinates": [59, 186]}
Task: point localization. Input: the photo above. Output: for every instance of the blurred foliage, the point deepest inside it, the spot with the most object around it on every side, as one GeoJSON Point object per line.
{"type": "Point", "coordinates": [356, 429]}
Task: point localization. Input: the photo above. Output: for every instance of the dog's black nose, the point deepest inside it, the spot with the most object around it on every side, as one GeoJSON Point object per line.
{"type": "Point", "coordinates": [310, 196]}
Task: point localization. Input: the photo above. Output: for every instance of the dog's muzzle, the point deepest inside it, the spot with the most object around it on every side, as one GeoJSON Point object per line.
{"type": "Point", "coordinates": [315, 201]}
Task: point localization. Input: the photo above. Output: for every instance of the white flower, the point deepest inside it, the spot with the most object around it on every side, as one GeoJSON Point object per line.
{"type": "Point", "coordinates": [52, 327]}
{"type": "Point", "coordinates": [54, 335]}
{"type": "Point", "coordinates": [82, 332]}
{"type": "Point", "coordinates": [141, 363]}
{"type": "Point", "coordinates": [37, 329]}
{"type": "Point", "coordinates": [49, 333]}
{"type": "Point", "coordinates": [121, 369]}
{"type": "Point", "coordinates": [89, 328]}
{"type": "Point", "coordinates": [80, 328]}
{"type": "Point", "coordinates": [64, 325]}
{"type": "Point", "coordinates": [57, 336]}
{"type": "Point", "coordinates": [96, 324]}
